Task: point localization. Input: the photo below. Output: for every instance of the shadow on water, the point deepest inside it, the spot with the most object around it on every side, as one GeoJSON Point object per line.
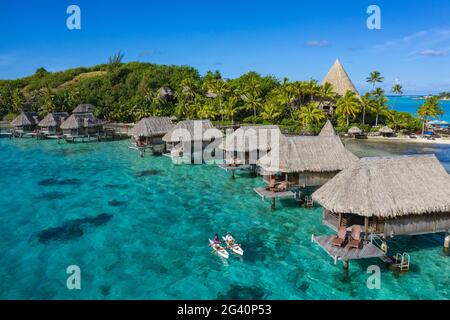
{"type": "Point", "coordinates": [72, 229]}
{"type": "Point", "coordinates": [52, 196]}
{"type": "Point", "coordinates": [116, 203]}
{"type": "Point", "coordinates": [146, 173]}
{"type": "Point", "coordinates": [238, 292]}
{"type": "Point", "coordinates": [61, 182]}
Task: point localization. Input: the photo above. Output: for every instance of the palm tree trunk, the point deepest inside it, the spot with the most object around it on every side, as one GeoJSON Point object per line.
{"type": "Point", "coordinates": [364, 116]}
{"type": "Point", "coordinates": [376, 120]}
{"type": "Point", "coordinates": [348, 122]}
{"type": "Point", "coordinates": [423, 127]}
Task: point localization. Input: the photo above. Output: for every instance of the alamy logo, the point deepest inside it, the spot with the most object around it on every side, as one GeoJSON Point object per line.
{"type": "Point", "coordinates": [74, 280]}
{"type": "Point", "coordinates": [374, 280]}
{"type": "Point", "coordinates": [73, 22]}
{"type": "Point", "coordinates": [374, 20]}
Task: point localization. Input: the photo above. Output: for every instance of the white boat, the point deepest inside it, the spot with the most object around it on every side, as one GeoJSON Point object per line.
{"type": "Point", "coordinates": [231, 243]}
{"type": "Point", "coordinates": [219, 249]}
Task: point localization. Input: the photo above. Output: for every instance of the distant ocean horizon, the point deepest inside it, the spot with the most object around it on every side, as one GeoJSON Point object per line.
{"type": "Point", "coordinates": [411, 103]}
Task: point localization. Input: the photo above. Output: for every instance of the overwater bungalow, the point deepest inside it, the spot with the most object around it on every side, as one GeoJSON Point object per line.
{"type": "Point", "coordinates": [148, 133]}
{"type": "Point", "coordinates": [25, 124]}
{"type": "Point", "coordinates": [248, 144]}
{"type": "Point", "coordinates": [339, 78]}
{"type": "Point", "coordinates": [51, 124]}
{"type": "Point", "coordinates": [383, 197]}
{"type": "Point", "coordinates": [82, 123]}
{"type": "Point", "coordinates": [188, 139]}
{"type": "Point", "coordinates": [301, 163]}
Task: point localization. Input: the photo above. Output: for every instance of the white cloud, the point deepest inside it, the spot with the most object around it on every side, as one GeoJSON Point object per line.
{"type": "Point", "coordinates": [433, 53]}
{"type": "Point", "coordinates": [318, 43]}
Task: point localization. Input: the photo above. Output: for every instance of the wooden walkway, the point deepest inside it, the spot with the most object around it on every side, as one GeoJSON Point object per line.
{"type": "Point", "coordinates": [369, 250]}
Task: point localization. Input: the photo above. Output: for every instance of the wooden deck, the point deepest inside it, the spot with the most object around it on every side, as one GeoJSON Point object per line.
{"type": "Point", "coordinates": [265, 194]}
{"type": "Point", "coordinates": [369, 250]}
{"type": "Point", "coordinates": [237, 168]}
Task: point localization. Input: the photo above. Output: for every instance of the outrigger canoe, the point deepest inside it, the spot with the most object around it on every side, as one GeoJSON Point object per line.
{"type": "Point", "coordinates": [219, 249]}
{"type": "Point", "coordinates": [236, 248]}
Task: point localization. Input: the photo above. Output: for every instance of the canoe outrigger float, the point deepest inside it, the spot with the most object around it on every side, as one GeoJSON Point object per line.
{"type": "Point", "coordinates": [219, 249]}
{"type": "Point", "coordinates": [231, 243]}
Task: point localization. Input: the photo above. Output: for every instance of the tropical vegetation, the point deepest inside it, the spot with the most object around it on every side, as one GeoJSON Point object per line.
{"type": "Point", "coordinates": [127, 92]}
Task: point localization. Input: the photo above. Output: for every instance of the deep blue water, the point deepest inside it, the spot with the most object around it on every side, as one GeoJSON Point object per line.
{"type": "Point", "coordinates": [411, 104]}
{"type": "Point", "coordinates": [138, 229]}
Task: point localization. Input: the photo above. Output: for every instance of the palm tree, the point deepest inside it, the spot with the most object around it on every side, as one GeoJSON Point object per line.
{"type": "Point", "coordinates": [430, 109]}
{"type": "Point", "coordinates": [271, 111]}
{"type": "Point", "coordinates": [17, 100]}
{"type": "Point", "coordinates": [310, 114]}
{"type": "Point", "coordinates": [220, 88]}
{"type": "Point", "coordinates": [366, 102]}
{"type": "Point", "coordinates": [397, 89]}
{"type": "Point", "coordinates": [348, 106]}
{"type": "Point", "coordinates": [378, 106]}
{"type": "Point", "coordinates": [395, 119]}
{"type": "Point", "coordinates": [231, 104]}
{"type": "Point", "coordinates": [326, 92]}
{"type": "Point", "coordinates": [374, 78]}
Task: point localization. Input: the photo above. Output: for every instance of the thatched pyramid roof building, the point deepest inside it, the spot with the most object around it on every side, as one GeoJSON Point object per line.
{"type": "Point", "coordinates": [81, 120]}
{"type": "Point", "coordinates": [340, 80]}
{"type": "Point", "coordinates": [53, 119]}
{"type": "Point", "coordinates": [152, 127]}
{"type": "Point", "coordinates": [84, 108]}
{"type": "Point", "coordinates": [185, 131]}
{"type": "Point", "coordinates": [25, 119]}
{"type": "Point", "coordinates": [327, 130]}
{"type": "Point", "coordinates": [308, 154]}
{"type": "Point", "coordinates": [389, 187]}
{"type": "Point", "coordinates": [354, 130]}
{"type": "Point", "coordinates": [386, 130]}
{"type": "Point", "coordinates": [251, 138]}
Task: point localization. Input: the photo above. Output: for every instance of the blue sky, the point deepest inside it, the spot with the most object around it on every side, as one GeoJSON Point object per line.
{"type": "Point", "coordinates": [295, 39]}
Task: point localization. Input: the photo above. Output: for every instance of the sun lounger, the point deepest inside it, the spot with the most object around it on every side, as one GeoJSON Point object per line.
{"type": "Point", "coordinates": [355, 239]}
{"type": "Point", "coordinates": [271, 185]}
{"type": "Point", "coordinates": [282, 187]}
{"type": "Point", "coordinates": [341, 238]}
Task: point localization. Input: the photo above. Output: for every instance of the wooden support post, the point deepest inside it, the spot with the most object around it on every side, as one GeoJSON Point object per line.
{"type": "Point", "coordinates": [339, 220]}
{"type": "Point", "coordinates": [345, 264]}
{"type": "Point", "coordinates": [232, 174]}
{"type": "Point", "coordinates": [366, 228]}
{"type": "Point", "coordinates": [446, 242]}
{"type": "Point", "coordinates": [273, 203]}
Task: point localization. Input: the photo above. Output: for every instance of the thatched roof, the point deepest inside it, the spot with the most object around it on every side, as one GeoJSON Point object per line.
{"type": "Point", "coordinates": [25, 119]}
{"type": "Point", "coordinates": [340, 80]}
{"type": "Point", "coordinates": [53, 119]}
{"type": "Point", "coordinates": [81, 120]}
{"type": "Point", "coordinates": [388, 187]}
{"type": "Point", "coordinates": [354, 130]}
{"type": "Point", "coordinates": [152, 126]}
{"type": "Point", "coordinates": [251, 138]}
{"type": "Point", "coordinates": [165, 93]}
{"type": "Point", "coordinates": [386, 130]}
{"type": "Point", "coordinates": [184, 131]}
{"type": "Point", "coordinates": [327, 130]}
{"type": "Point", "coordinates": [308, 154]}
{"type": "Point", "coordinates": [84, 108]}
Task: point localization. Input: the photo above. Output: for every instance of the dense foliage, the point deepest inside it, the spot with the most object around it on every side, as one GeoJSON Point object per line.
{"type": "Point", "coordinates": [127, 92]}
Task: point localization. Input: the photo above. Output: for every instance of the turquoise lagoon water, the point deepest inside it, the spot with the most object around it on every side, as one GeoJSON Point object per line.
{"type": "Point", "coordinates": [411, 104]}
{"type": "Point", "coordinates": [138, 229]}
